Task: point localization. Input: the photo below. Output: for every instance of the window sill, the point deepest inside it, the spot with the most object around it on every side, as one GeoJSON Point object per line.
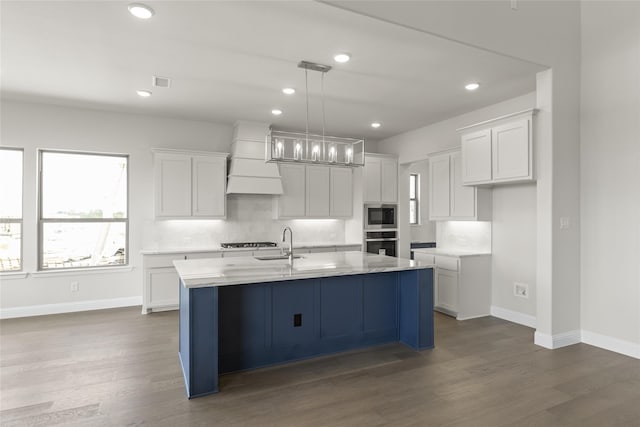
{"type": "Point", "coordinates": [82, 271]}
{"type": "Point", "coordinates": [8, 275]}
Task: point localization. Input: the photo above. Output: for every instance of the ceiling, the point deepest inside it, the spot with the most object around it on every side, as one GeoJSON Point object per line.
{"type": "Point", "coordinates": [230, 60]}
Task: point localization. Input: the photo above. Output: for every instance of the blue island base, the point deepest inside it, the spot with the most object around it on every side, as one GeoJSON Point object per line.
{"type": "Point", "coordinates": [232, 328]}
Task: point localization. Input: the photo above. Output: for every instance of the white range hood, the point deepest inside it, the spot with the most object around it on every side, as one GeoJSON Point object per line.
{"type": "Point", "coordinates": [249, 173]}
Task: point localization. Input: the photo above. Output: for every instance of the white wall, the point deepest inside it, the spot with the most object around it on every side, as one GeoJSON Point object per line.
{"type": "Point", "coordinates": [33, 126]}
{"type": "Point", "coordinates": [514, 242]}
{"type": "Point", "coordinates": [610, 179]}
{"type": "Point", "coordinates": [545, 33]}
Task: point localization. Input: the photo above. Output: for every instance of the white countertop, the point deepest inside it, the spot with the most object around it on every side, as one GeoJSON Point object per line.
{"type": "Point", "coordinates": [448, 252]}
{"type": "Point", "coordinates": [241, 270]}
{"type": "Point", "coordinates": [217, 248]}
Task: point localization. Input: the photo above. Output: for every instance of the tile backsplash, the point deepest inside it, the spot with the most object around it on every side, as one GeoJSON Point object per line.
{"type": "Point", "coordinates": [249, 218]}
{"type": "Point", "coordinates": [473, 236]}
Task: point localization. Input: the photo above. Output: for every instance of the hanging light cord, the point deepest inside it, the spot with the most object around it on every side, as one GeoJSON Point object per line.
{"type": "Point", "coordinates": [306, 95]}
{"type": "Point", "coordinates": [323, 116]}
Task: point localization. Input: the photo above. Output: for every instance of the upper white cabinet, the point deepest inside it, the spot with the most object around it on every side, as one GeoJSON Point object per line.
{"type": "Point", "coordinates": [380, 179]}
{"type": "Point", "coordinates": [341, 203]}
{"type": "Point", "coordinates": [318, 189]}
{"type": "Point", "coordinates": [311, 191]}
{"type": "Point", "coordinates": [189, 184]}
{"type": "Point", "coordinates": [449, 199]}
{"type": "Point", "coordinates": [292, 202]}
{"type": "Point", "coordinates": [498, 151]}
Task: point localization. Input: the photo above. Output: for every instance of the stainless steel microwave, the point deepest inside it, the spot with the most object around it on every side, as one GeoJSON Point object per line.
{"type": "Point", "coordinates": [380, 216]}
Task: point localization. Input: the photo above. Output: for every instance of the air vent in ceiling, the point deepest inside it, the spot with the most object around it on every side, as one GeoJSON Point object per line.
{"type": "Point", "coordinates": [161, 81]}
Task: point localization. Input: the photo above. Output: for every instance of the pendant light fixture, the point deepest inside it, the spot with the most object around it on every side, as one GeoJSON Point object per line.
{"type": "Point", "coordinates": [295, 147]}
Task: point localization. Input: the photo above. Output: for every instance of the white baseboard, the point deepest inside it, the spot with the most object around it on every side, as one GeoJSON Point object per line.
{"type": "Point", "coordinates": [513, 316]}
{"type": "Point", "coordinates": [627, 348]}
{"type": "Point", "coordinates": [68, 307]}
{"type": "Point", "coordinates": [558, 340]}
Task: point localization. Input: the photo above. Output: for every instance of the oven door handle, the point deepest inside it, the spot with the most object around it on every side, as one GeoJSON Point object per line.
{"type": "Point", "coordinates": [381, 240]}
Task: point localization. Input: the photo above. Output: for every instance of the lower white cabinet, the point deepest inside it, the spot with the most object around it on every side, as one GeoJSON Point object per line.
{"type": "Point", "coordinates": [161, 283]}
{"type": "Point", "coordinates": [462, 286]}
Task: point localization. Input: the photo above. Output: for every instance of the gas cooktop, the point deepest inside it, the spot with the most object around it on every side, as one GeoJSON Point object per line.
{"type": "Point", "coordinates": [249, 245]}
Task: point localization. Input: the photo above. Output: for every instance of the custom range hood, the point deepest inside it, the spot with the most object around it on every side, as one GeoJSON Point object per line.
{"type": "Point", "coordinates": [248, 172]}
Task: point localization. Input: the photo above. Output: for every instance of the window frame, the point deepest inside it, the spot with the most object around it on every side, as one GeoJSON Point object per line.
{"type": "Point", "coordinates": [42, 221]}
{"type": "Point", "coordinates": [416, 199]}
{"type": "Point", "coordinates": [17, 220]}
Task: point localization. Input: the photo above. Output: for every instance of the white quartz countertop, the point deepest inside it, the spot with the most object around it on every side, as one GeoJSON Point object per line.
{"type": "Point", "coordinates": [448, 252]}
{"type": "Point", "coordinates": [242, 270]}
{"type": "Point", "coordinates": [217, 248]}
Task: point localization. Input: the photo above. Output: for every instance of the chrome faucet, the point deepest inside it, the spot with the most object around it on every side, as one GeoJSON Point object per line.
{"type": "Point", "coordinates": [284, 237]}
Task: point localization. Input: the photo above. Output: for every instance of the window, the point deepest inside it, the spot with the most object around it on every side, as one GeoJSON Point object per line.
{"type": "Point", "coordinates": [10, 209]}
{"type": "Point", "coordinates": [83, 220]}
{"type": "Point", "coordinates": [414, 198]}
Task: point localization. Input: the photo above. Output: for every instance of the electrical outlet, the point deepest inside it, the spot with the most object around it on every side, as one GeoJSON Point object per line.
{"type": "Point", "coordinates": [565, 222]}
{"type": "Point", "coordinates": [75, 286]}
{"type": "Point", "coordinates": [521, 290]}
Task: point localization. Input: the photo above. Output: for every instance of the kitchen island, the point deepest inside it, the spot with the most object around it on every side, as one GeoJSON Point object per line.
{"type": "Point", "coordinates": [243, 313]}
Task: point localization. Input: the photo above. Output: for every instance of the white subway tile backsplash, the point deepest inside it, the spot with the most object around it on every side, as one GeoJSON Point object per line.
{"type": "Point", "coordinates": [249, 218]}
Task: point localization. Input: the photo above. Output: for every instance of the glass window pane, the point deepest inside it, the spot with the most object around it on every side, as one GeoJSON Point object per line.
{"type": "Point", "coordinates": [10, 245]}
{"type": "Point", "coordinates": [412, 186]}
{"type": "Point", "coordinates": [68, 245]}
{"type": "Point", "coordinates": [412, 212]}
{"type": "Point", "coordinates": [83, 186]}
{"type": "Point", "coordinates": [10, 183]}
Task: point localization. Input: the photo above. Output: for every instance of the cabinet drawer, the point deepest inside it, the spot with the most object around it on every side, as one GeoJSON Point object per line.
{"type": "Point", "coordinates": [424, 258]}
{"type": "Point", "coordinates": [230, 254]}
{"type": "Point", "coordinates": [447, 262]}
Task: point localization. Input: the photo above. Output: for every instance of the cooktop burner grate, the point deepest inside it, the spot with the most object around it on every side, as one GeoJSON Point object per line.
{"type": "Point", "coordinates": [249, 245]}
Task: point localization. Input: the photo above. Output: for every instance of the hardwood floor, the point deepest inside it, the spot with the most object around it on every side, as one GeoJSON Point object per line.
{"type": "Point", "coordinates": [118, 368]}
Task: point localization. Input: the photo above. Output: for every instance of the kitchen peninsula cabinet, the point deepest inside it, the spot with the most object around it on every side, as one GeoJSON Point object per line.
{"type": "Point", "coordinates": [462, 282]}
{"type": "Point", "coordinates": [498, 151]}
{"type": "Point", "coordinates": [380, 179]}
{"type": "Point", "coordinates": [189, 184]}
{"type": "Point", "coordinates": [449, 199]}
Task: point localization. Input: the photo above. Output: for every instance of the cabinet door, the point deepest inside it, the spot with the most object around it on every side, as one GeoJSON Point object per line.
{"type": "Point", "coordinates": [372, 176]}
{"type": "Point", "coordinates": [209, 178]}
{"type": "Point", "coordinates": [389, 181]}
{"type": "Point", "coordinates": [439, 187]}
{"type": "Point", "coordinates": [447, 290]}
{"type": "Point", "coordinates": [476, 157]}
{"type": "Point", "coordinates": [510, 144]}
{"type": "Point", "coordinates": [172, 185]}
{"type": "Point", "coordinates": [463, 198]}
{"type": "Point", "coordinates": [341, 192]}
{"type": "Point", "coordinates": [163, 288]}
{"type": "Point", "coordinates": [291, 203]}
{"type": "Point", "coordinates": [318, 191]}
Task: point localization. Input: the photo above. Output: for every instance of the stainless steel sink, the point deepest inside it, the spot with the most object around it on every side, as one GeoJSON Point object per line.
{"type": "Point", "coordinates": [275, 257]}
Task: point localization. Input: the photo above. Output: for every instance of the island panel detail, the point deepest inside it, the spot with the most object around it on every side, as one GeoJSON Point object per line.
{"type": "Point", "coordinates": [231, 328]}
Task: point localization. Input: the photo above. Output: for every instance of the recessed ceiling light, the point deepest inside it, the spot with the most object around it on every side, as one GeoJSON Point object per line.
{"type": "Point", "coordinates": [140, 10]}
{"type": "Point", "coordinates": [288, 91]}
{"type": "Point", "coordinates": [472, 86]}
{"type": "Point", "coordinates": [375, 125]}
{"type": "Point", "coordinates": [342, 57]}
{"type": "Point", "coordinates": [144, 93]}
{"type": "Point", "coordinates": [276, 112]}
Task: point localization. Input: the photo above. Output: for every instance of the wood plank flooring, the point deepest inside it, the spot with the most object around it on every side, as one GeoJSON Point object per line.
{"type": "Point", "coordinates": [119, 368]}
